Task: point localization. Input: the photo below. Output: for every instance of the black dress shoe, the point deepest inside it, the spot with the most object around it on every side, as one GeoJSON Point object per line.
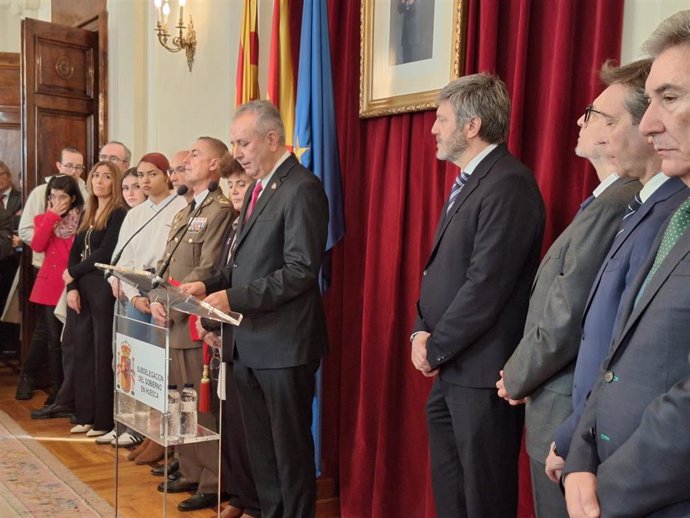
{"type": "Point", "coordinates": [198, 501]}
{"type": "Point", "coordinates": [179, 486]}
{"type": "Point", "coordinates": [174, 475]}
{"type": "Point", "coordinates": [48, 412]}
{"type": "Point", "coordinates": [25, 388]}
{"type": "Point", "coordinates": [159, 471]}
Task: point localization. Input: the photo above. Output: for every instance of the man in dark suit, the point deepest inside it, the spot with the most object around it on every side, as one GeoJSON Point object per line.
{"type": "Point", "coordinates": [10, 197]}
{"type": "Point", "coordinates": [273, 281]}
{"type": "Point", "coordinates": [10, 201]}
{"type": "Point", "coordinates": [473, 301]}
{"type": "Point", "coordinates": [660, 196]}
{"type": "Point", "coordinates": [629, 454]}
{"type": "Point", "coordinates": [541, 368]}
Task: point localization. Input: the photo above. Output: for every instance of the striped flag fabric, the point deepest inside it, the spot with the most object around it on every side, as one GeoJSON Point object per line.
{"type": "Point", "coordinates": [247, 81]}
{"type": "Point", "coordinates": [281, 78]}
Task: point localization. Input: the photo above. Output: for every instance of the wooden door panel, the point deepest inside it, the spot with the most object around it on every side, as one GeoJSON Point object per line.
{"type": "Point", "coordinates": [60, 129]}
{"type": "Point", "coordinates": [64, 70]}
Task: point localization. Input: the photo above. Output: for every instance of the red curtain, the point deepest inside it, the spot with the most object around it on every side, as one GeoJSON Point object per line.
{"type": "Point", "coordinates": [547, 51]}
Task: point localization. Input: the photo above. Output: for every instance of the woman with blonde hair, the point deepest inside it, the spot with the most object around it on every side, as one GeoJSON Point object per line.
{"type": "Point", "coordinates": [90, 299]}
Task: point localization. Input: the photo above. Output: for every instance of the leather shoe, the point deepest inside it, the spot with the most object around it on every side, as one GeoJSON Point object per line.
{"type": "Point", "coordinates": [159, 471]}
{"type": "Point", "coordinates": [174, 475]}
{"type": "Point", "coordinates": [198, 501]}
{"type": "Point", "coordinates": [49, 412]}
{"type": "Point", "coordinates": [179, 486]}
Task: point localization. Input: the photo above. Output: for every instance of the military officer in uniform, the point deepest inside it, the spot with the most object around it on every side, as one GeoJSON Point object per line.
{"type": "Point", "coordinates": [197, 231]}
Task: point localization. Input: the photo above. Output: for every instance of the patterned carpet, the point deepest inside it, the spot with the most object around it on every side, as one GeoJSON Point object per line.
{"type": "Point", "coordinates": [33, 483]}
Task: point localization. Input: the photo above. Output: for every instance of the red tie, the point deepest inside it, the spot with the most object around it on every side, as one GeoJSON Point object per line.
{"type": "Point", "coordinates": [255, 196]}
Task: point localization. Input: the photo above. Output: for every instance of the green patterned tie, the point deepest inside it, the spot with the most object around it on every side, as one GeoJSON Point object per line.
{"type": "Point", "coordinates": [680, 222]}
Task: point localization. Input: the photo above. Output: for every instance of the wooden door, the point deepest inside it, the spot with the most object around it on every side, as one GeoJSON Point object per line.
{"type": "Point", "coordinates": [60, 107]}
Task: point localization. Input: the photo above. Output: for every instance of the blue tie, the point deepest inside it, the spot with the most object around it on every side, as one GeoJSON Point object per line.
{"type": "Point", "coordinates": [634, 204]}
{"type": "Point", "coordinates": [458, 184]}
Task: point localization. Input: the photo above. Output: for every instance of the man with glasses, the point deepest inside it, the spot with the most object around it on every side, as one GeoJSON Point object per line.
{"type": "Point", "coordinates": [629, 454]}
{"type": "Point", "coordinates": [660, 195]}
{"type": "Point", "coordinates": [71, 163]}
{"type": "Point", "coordinates": [117, 153]}
{"type": "Point", "coordinates": [541, 368]}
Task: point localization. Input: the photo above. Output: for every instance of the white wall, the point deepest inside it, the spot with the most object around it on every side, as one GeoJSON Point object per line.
{"type": "Point", "coordinates": [155, 102]}
{"type": "Point", "coordinates": [12, 12]}
{"type": "Point", "coordinates": [640, 18]}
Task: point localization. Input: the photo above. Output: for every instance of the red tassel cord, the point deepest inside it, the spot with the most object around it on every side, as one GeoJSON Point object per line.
{"type": "Point", "coordinates": [205, 385]}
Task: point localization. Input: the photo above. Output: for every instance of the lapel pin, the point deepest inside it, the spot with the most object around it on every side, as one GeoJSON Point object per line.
{"type": "Point", "coordinates": [273, 186]}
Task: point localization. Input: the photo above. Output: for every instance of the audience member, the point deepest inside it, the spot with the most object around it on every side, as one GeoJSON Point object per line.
{"type": "Point", "coordinates": [90, 300]}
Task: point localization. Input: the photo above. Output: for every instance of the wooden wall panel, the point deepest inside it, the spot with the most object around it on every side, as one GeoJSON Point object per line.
{"type": "Point", "coordinates": [10, 115]}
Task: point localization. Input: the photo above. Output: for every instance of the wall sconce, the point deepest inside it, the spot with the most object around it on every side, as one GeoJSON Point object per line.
{"type": "Point", "coordinates": [186, 38]}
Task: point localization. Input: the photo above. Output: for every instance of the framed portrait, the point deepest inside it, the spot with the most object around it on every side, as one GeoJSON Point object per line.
{"type": "Point", "coordinates": [410, 49]}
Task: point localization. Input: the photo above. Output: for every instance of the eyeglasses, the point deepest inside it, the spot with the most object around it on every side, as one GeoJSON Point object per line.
{"type": "Point", "coordinates": [110, 158]}
{"type": "Point", "coordinates": [180, 169]}
{"type": "Point", "coordinates": [74, 167]}
{"type": "Point", "coordinates": [589, 110]}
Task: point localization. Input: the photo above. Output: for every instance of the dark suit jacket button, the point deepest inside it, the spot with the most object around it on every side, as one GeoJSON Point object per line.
{"type": "Point", "coordinates": [608, 376]}
{"type": "Point", "coordinates": [234, 265]}
{"type": "Point", "coordinates": [593, 433]}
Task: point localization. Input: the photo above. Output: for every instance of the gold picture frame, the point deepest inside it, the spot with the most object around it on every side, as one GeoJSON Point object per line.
{"type": "Point", "coordinates": [405, 59]}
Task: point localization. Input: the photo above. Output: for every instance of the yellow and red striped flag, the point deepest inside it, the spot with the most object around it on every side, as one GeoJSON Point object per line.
{"type": "Point", "coordinates": [281, 79]}
{"type": "Point", "coordinates": [247, 81]}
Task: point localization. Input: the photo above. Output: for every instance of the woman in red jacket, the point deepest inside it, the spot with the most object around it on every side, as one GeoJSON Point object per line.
{"type": "Point", "coordinates": [53, 235]}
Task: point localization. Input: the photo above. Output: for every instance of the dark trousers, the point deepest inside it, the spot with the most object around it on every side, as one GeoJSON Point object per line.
{"type": "Point", "coordinates": [65, 396]}
{"type": "Point", "coordinates": [45, 340]}
{"type": "Point", "coordinates": [474, 440]}
{"type": "Point", "coordinates": [93, 339]}
{"type": "Point", "coordinates": [237, 471]}
{"type": "Point", "coordinates": [277, 412]}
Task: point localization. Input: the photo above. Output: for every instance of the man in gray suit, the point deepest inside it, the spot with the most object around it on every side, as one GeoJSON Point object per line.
{"type": "Point", "coordinates": [542, 365]}
{"type": "Point", "coordinates": [629, 454]}
{"type": "Point", "coordinates": [659, 197]}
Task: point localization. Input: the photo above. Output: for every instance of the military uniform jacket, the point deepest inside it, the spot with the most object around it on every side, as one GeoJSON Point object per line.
{"type": "Point", "coordinates": [195, 256]}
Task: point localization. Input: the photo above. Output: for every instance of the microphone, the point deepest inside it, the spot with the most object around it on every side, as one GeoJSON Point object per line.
{"type": "Point", "coordinates": [212, 187]}
{"type": "Point", "coordinates": [181, 191]}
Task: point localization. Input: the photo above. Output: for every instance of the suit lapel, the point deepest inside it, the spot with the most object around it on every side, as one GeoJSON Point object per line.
{"type": "Point", "coordinates": [472, 184]}
{"type": "Point", "coordinates": [633, 311]}
{"type": "Point", "coordinates": [263, 201]}
{"type": "Point", "coordinates": [663, 193]}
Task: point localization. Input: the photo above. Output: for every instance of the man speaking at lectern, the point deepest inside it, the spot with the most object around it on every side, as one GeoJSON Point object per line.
{"type": "Point", "coordinates": [272, 280]}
